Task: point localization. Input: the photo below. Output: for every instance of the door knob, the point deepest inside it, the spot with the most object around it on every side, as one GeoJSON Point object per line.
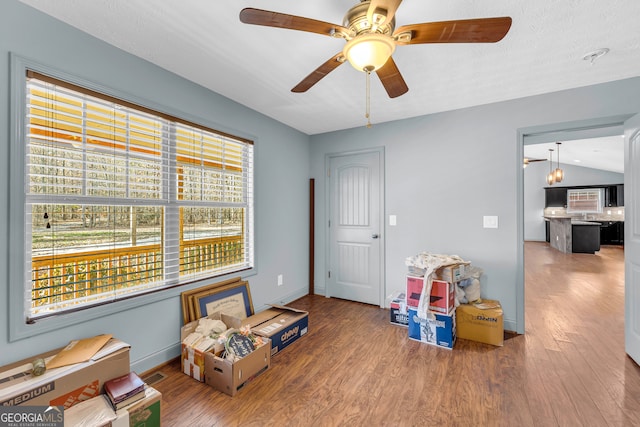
{"type": "Point", "coordinates": [375, 236]}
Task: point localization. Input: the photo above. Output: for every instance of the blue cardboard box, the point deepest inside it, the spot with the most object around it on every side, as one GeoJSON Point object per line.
{"type": "Point", "coordinates": [437, 329]}
{"type": "Point", "coordinates": [281, 324]}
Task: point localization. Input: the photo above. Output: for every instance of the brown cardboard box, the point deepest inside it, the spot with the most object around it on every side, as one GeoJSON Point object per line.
{"type": "Point", "coordinates": [230, 377]}
{"type": "Point", "coordinates": [481, 322]}
{"type": "Point", "coordinates": [451, 273]}
{"type": "Point", "coordinates": [282, 325]}
{"type": "Point", "coordinates": [219, 373]}
{"type": "Point", "coordinates": [192, 359]}
{"type": "Point", "coordinates": [66, 385]}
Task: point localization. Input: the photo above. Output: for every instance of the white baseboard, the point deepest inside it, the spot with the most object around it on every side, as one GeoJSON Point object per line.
{"type": "Point", "coordinates": [156, 359]}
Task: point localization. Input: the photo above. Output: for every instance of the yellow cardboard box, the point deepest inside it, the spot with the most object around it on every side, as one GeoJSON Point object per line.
{"type": "Point", "coordinates": [482, 322]}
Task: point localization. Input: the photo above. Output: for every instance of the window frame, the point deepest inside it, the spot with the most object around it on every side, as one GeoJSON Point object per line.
{"type": "Point", "coordinates": [16, 247]}
{"type": "Point", "coordinates": [599, 200]}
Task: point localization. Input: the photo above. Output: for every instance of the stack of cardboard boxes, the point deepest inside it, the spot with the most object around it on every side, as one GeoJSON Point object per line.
{"type": "Point", "coordinates": [438, 327]}
{"type": "Point", "coordinates": [444, 322]}
{"type": "Point", "coordinates": [75, 388]}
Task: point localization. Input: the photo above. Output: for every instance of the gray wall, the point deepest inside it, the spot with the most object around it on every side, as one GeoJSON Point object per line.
{"type": "Point", "coordinates": [152, 329]}
{"type": "Point", "coordinates": [444, 172]}
{"type": "Point", "coordinates": [535, 180]}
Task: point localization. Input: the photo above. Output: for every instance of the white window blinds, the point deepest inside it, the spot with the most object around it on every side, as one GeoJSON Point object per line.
{"type": "Point", "coordinates": [121, 200]}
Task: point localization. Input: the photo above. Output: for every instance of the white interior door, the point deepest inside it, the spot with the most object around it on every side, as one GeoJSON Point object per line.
{"type": "Point", "coordinates": [632, 237]}
{"type": "Point", "coordinates": [355, 241]}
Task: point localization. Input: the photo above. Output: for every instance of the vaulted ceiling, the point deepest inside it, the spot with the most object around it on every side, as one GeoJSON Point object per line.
{"type": "Point", "coordinates": [204, 41]}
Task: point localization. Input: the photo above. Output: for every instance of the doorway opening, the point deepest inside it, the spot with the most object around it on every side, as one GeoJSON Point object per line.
{"type": "Point", "coordinates": [532, 190]}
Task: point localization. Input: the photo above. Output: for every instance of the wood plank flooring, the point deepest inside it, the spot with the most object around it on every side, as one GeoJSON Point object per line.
{"type": "Point", "coordinates": [354, 368]}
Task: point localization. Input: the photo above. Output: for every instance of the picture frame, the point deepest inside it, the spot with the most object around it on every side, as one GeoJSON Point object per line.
{"type": "Point", "coordinates": [187, 300]}
{"type": "Point", "coordinates": [233, 299]}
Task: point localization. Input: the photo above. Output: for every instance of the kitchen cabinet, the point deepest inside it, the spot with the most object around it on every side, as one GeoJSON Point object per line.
{"type": "Point", "coordinates": [612, 233]}
{"type": "Point", "coordinates": [620, 194]}
{"type": "Point", "coordinates": [585, 237]}
{"type": "Point", "coordinates": [555, 197]}
{"type": "Point", "coordinates": [610, 196]}
{"type": "Point", "coordinates": [547, 231]}
{"type": "Point", "coordinates": [614, 195]}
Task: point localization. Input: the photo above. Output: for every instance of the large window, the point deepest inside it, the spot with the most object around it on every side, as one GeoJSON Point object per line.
{"type": "Point", "coordinates": [585, 200]}
{"type": "Point", "coordinates": [121, 200]}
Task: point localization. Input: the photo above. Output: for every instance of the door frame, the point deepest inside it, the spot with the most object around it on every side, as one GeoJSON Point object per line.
{"type": "Point", "coordinates": [601, 126]}
{"type": "Point", "coordinates": [631, 298]}
{"type": "Point", "coordinates": [381, 212]}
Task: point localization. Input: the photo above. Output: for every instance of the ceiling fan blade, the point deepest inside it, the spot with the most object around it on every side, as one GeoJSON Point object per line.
{"type": "Point", "coordinates": [482, 30]}
{"type": "Point", "coordinates": [384, 9]}
{"type": "Point", "coordinates": [319, 73]}
{"type": "Point", "coordinates": [391, 79]}
{"type": "Point", "coordinates": [281, 20]}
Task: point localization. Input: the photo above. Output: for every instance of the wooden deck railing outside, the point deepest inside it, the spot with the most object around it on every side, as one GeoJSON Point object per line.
{"type": "Point", "coordinates": [88, 275]}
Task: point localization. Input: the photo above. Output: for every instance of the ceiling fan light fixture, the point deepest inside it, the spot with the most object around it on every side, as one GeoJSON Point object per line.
{"type": "Point", "coordinates": [369, 52]}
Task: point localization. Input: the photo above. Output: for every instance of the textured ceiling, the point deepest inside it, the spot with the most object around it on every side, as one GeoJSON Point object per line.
{"type": "Point", "coordinates": [205, 42]}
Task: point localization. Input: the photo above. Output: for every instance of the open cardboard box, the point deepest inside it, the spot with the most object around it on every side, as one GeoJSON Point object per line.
{"type": "Point", "coordinates": [192, 359]}
{"type": "Point", "coordinates": [230, 377]}
{"type": "Point", "coordinates": [282, 325]}
{"type": "Point", "coordinates": [220, 373]}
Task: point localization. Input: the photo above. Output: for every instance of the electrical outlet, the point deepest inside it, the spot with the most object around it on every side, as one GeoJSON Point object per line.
{"type": "Point", "coordinates": [280, 280]}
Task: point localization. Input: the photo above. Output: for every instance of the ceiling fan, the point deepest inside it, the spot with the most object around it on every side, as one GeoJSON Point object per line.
{"type": "Point", "coordinates": [369, 28]}
{"type": "Point", "coordinates": [528, 160]}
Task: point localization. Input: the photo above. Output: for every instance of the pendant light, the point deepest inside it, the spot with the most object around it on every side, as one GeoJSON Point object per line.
{"type": "Point", "coordinates": [551, 178]}
{"type": "Point", "coordinates": [558, 173]}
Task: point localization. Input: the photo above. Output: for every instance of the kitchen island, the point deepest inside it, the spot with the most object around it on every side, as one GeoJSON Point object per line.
{"type": "Point", "coordinates": [585, 237]}
{"type": "Point", "coordinates": [570, 235]}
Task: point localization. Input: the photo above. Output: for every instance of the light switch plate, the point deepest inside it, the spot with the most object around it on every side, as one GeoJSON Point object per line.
{"type": "Point", "coordinates": [490, 221]}
{"type": "Point", "coordinates": [392, 220]}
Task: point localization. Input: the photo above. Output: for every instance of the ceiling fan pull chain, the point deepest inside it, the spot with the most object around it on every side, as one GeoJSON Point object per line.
{"type": "Point", "coordinates": [368, 99]}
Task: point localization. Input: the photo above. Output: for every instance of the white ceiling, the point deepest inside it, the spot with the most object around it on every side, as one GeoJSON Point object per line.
{"type": "Point", "coordinates": [606, 153]}
{"type": "Point", "coordinates": [204, 41]}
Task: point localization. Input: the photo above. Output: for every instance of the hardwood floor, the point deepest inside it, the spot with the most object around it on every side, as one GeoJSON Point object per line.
{"type": "Point", "coordinates": [354, 368]}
